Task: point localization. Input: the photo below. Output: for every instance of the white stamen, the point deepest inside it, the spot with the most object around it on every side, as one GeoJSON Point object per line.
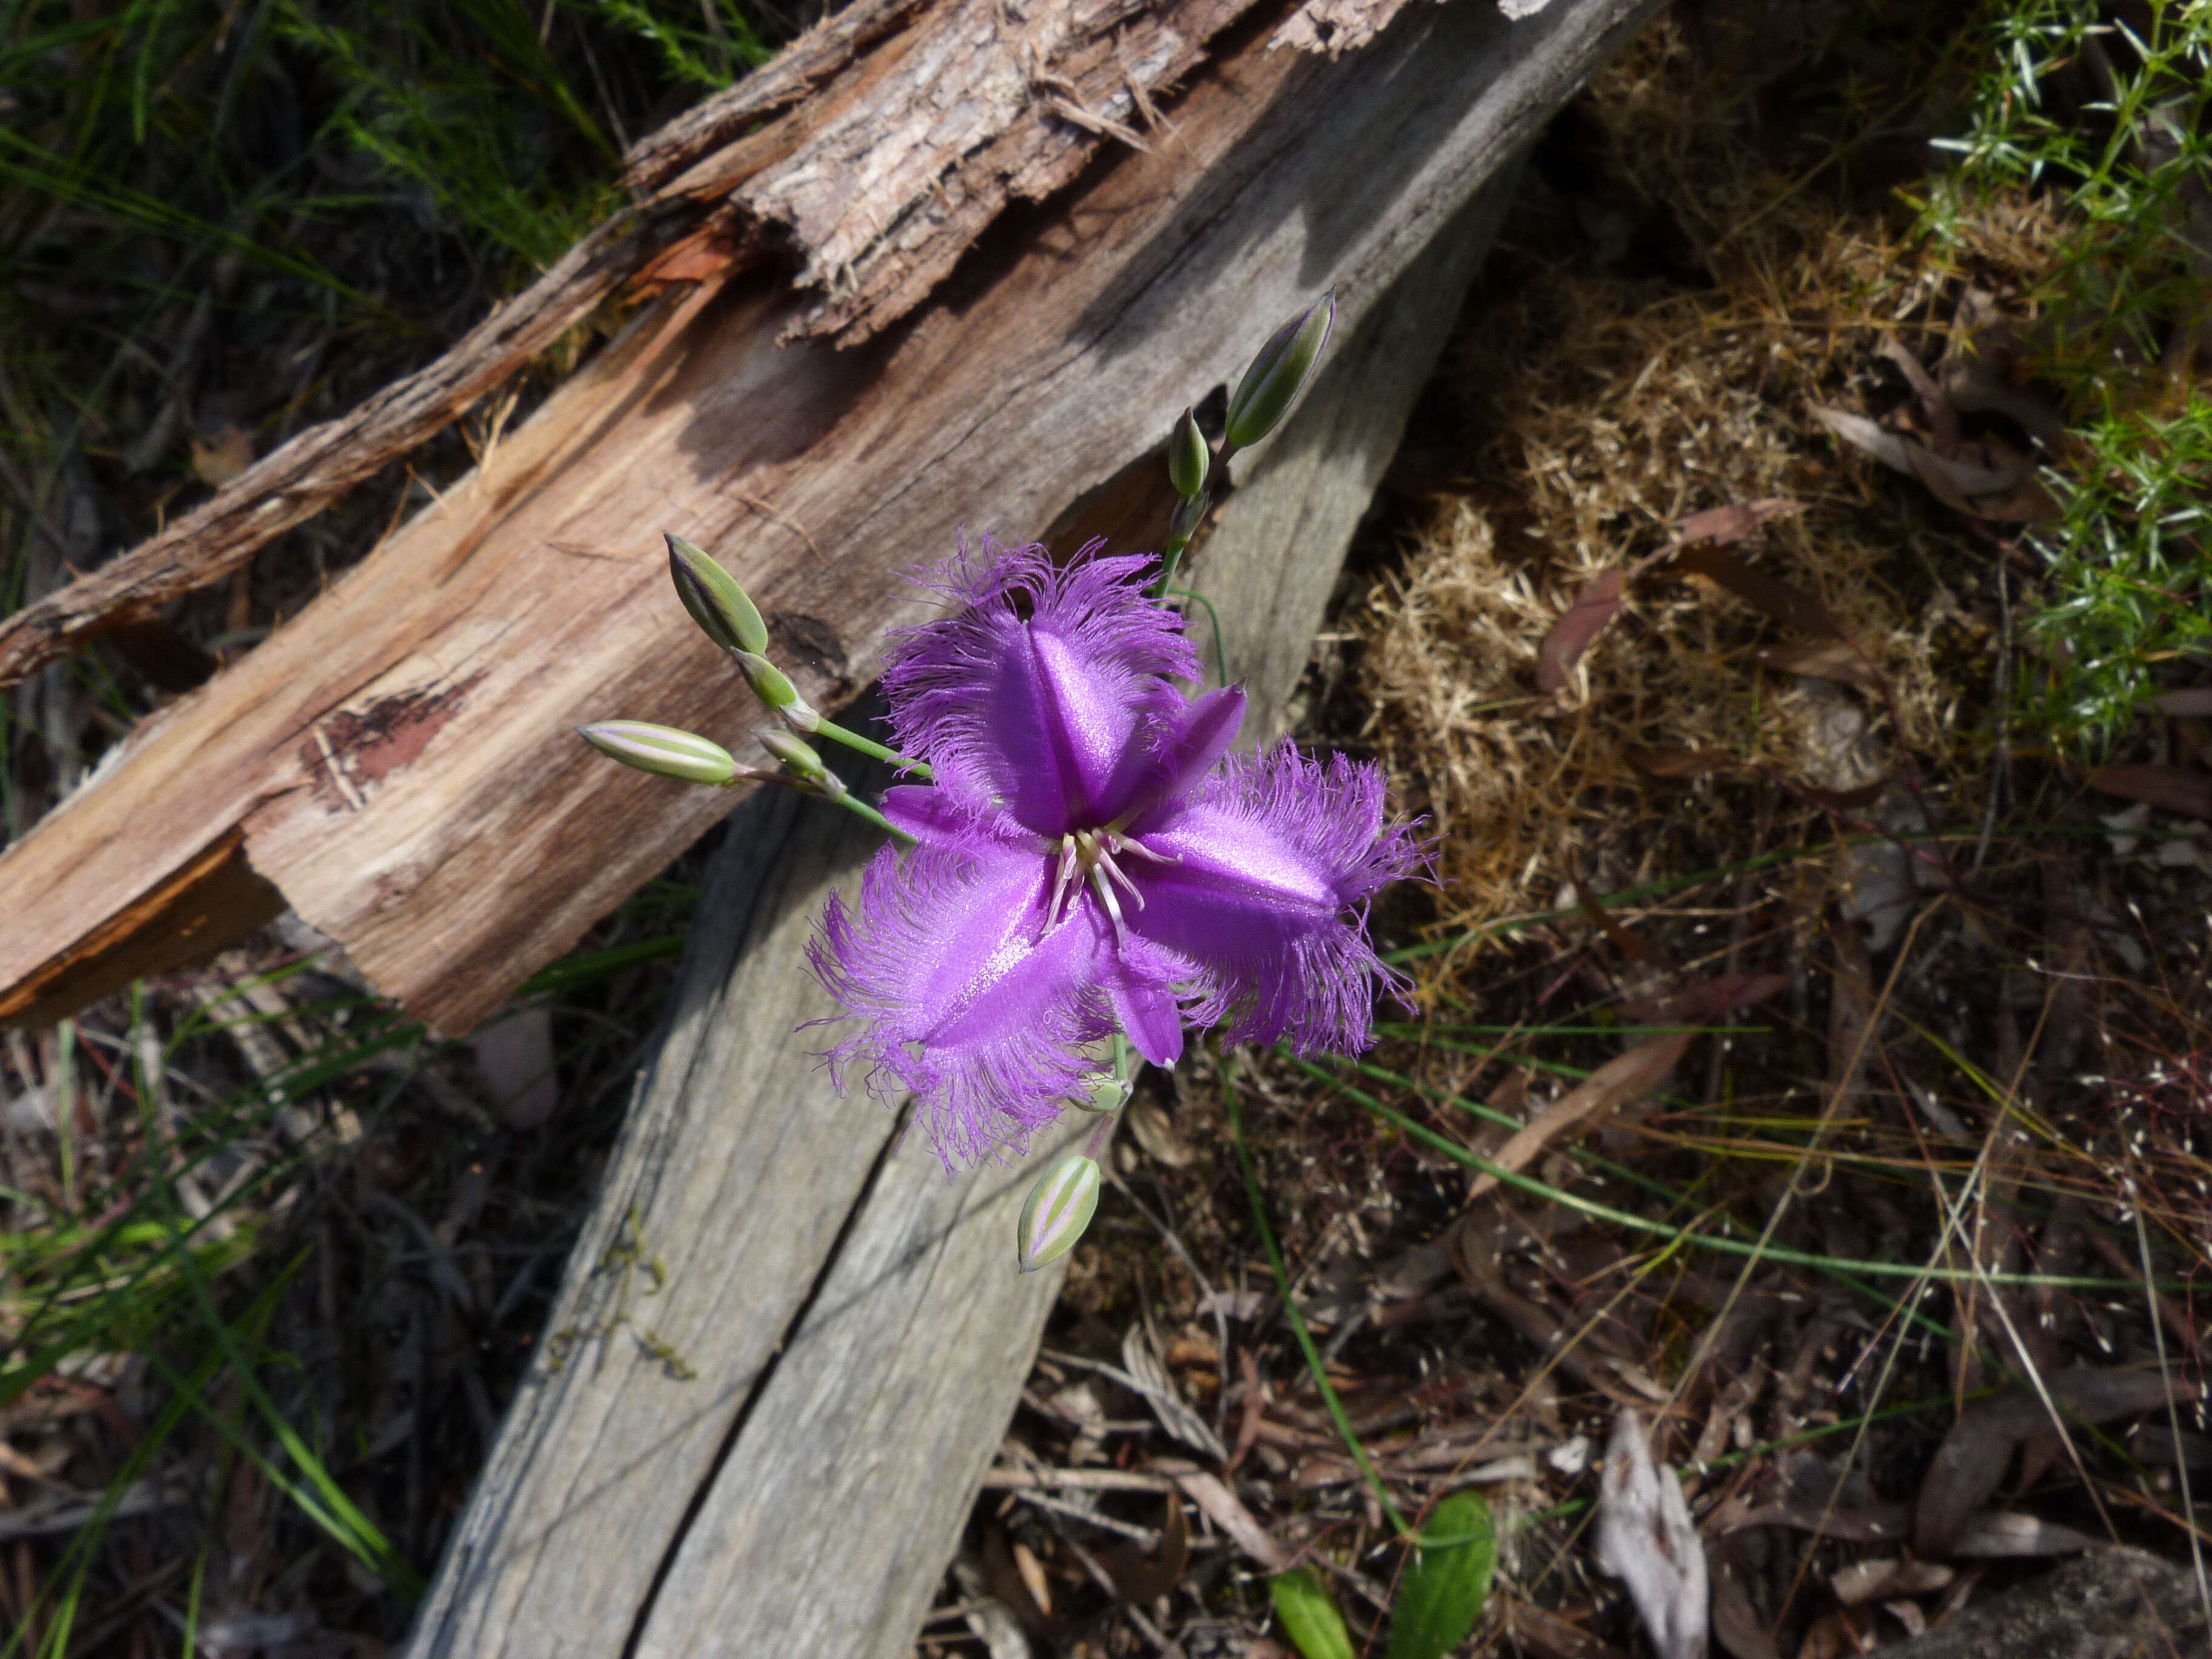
{"type": "Point", "coordinates": [1121, 843]}
{"type": "Point", "coordinates": [1106, 863]}
{"type": "Point", "coordinates": [1113, 904]}
{"type": "Point", "coordinates": [1060, 882]}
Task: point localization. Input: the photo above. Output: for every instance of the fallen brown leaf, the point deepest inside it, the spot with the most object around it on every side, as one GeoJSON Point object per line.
{"type": "Point", "coordinates": [1995, 1533]}
{"type": "Point", "coordinates": [1971, 383]}
{"type": "Point", "coordinates": [1941, 415]}
{"type": "Point", "coordinates": [1971, 1463]}
{"type": "Point", "coordinates": [1736, 1623]}
{"type": "Point", "coordinates": [1835, 1635]}
{"type": "Point", "coordinates": [2170, 789]}
{"type": "Point", "coordinates": [2006, 489]}
{"type": "Point", "coordinates": [1892, 449]}
{"type": "Point", "coordinates": [1142, 1577]}
{"type": "Point", "coordinates": [1622, 938]}
{"type": "Point", "coordinates": [1732, 523]}
{"type": "Point", "coordinates": [1679, 763]}
{"type": "Point", "coordinates": [1613, 1085]}
{"type": "Point", "coordinates": [1156, 1133]}
{"type": "Point", "coordinates": [1873, 1523]}
{"type": "Point", "coordinates": [2196, 701]}
{"type": "Point", "coordinates": [1882, 1579]}
{"type": "Point", "coordinates": [1770, 596]}
{"type": "Point", "coordinates": [1597, 605]}
{"type": "Point", "coordinates": [1227, 1511]}
{"type": "Point", "coordinates": [1546, 1634]}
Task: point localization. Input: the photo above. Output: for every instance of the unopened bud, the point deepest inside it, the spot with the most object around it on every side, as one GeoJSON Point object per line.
{"type": "Point", "coordinates": [1059, 1206]}
{"type": "Point", "coordinates": [663, 751]}
{"type": "Point", "coordinates": [1102, 1092]}
{"type": "Point", "coordinates": [774, 688]}
{"type": "Point", "coordinates": [715, 601]}
{"type": "Point", "coordinates": [1189, 514]}
{"type": "Point", "coordinates": [1188, 456]}
{"type": "Point", "coordinates": [1279, 373]}
{"type": "Point", "coordinates": [802, 763]}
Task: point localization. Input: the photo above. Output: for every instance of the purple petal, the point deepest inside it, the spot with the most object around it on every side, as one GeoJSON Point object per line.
{"type": "Point", "coordinates": [965, 1006]}
{"type": "Point", "coordinates": [1036, 693]}
{"type": "Point", "coordinates": [1198, 735]}
{"type": "Point", "coordinates": [1277, 855]}
{"type": "Point", "coordinates": [1148, 1016]}
{"type": "Point", "coordinates": [933, 813]}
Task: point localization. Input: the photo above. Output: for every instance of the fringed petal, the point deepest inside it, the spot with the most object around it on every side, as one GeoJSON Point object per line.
{"type": "Point", "coordinates": [1044, 692]}
{"type": "Point", "coordinates": [1277, 856]}
{"type": "Point", "coordinates": [965, 1006]}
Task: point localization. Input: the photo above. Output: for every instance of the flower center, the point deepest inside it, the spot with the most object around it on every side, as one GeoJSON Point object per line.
{"type": "Point", "coordinates": [1088, 855]}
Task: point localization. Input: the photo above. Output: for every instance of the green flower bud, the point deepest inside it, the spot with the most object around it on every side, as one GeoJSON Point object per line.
{"type": "Point", "coordinates": [715, 601]}
{"type": "Point", "coordinates": [1059, 1206]}
{"type": "Point", "coordinates": [1188, 456]}
{"type": "Point", "coordinates": [664, 751]}
{"type": "Point", "coordinates": [773, 687]}
{"type": "Point", "coordinates": [1280, 373]}
{"type": "Point", "coordinates": [1102, 1092]}
{"type": "Point", "coordinates": [802, 763]}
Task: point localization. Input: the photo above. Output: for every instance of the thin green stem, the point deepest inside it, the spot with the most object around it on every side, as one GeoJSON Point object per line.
{"type": "Point", "coordinates": [1189, 510]}
{"type": "Point", "coordinates": [875, 751]}
{"type": "Point", "coordinates": [1169, 560]}
{"type": "Point", "coordinates": [1220, 652]}
{"type": "Point", "coordinates": [852, 804]}
{"type": "Point", "coordinates": [1834, 1265]}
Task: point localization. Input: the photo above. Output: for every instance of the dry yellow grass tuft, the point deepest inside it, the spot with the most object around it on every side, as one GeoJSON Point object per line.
{"type": "Point", "coordinates": [1599, 409]}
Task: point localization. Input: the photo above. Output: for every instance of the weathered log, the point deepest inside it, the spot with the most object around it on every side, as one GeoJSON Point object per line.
{"type": "Point", "coordinates": [888, 169]}
{"type": "Point", "coordinates": [394, 764]}
{"type": "Point", "coordinates": [857, 1329]}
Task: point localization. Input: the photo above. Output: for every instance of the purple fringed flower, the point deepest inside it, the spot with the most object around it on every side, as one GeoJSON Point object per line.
{"type": "Point", "coordinates": [1092, 859]}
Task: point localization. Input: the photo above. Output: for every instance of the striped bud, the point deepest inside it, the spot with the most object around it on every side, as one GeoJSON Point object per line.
{"type": "Point", "coordinates": [1102, 1092]}
{"type": "Point", "coordinates": [1188, 456]}
{"type": "Point", "coordinates": [802, 763]}
{"type": "Point", "coordinates": [715, 601]}
{"type": "Point", "coordinates": [663, 751]}
{"type": "Point", "coordinates": [1059, 1206]}
{"type": "Point", "coordinates": [1280, 373]}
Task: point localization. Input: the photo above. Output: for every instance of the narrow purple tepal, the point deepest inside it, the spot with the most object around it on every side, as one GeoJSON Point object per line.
{"type": "Point", "coordinates": [1091, 860]}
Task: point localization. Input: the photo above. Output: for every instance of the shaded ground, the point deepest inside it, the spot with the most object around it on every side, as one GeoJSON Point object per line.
{"type": "Point", "coordinates": [1797, 1050]}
